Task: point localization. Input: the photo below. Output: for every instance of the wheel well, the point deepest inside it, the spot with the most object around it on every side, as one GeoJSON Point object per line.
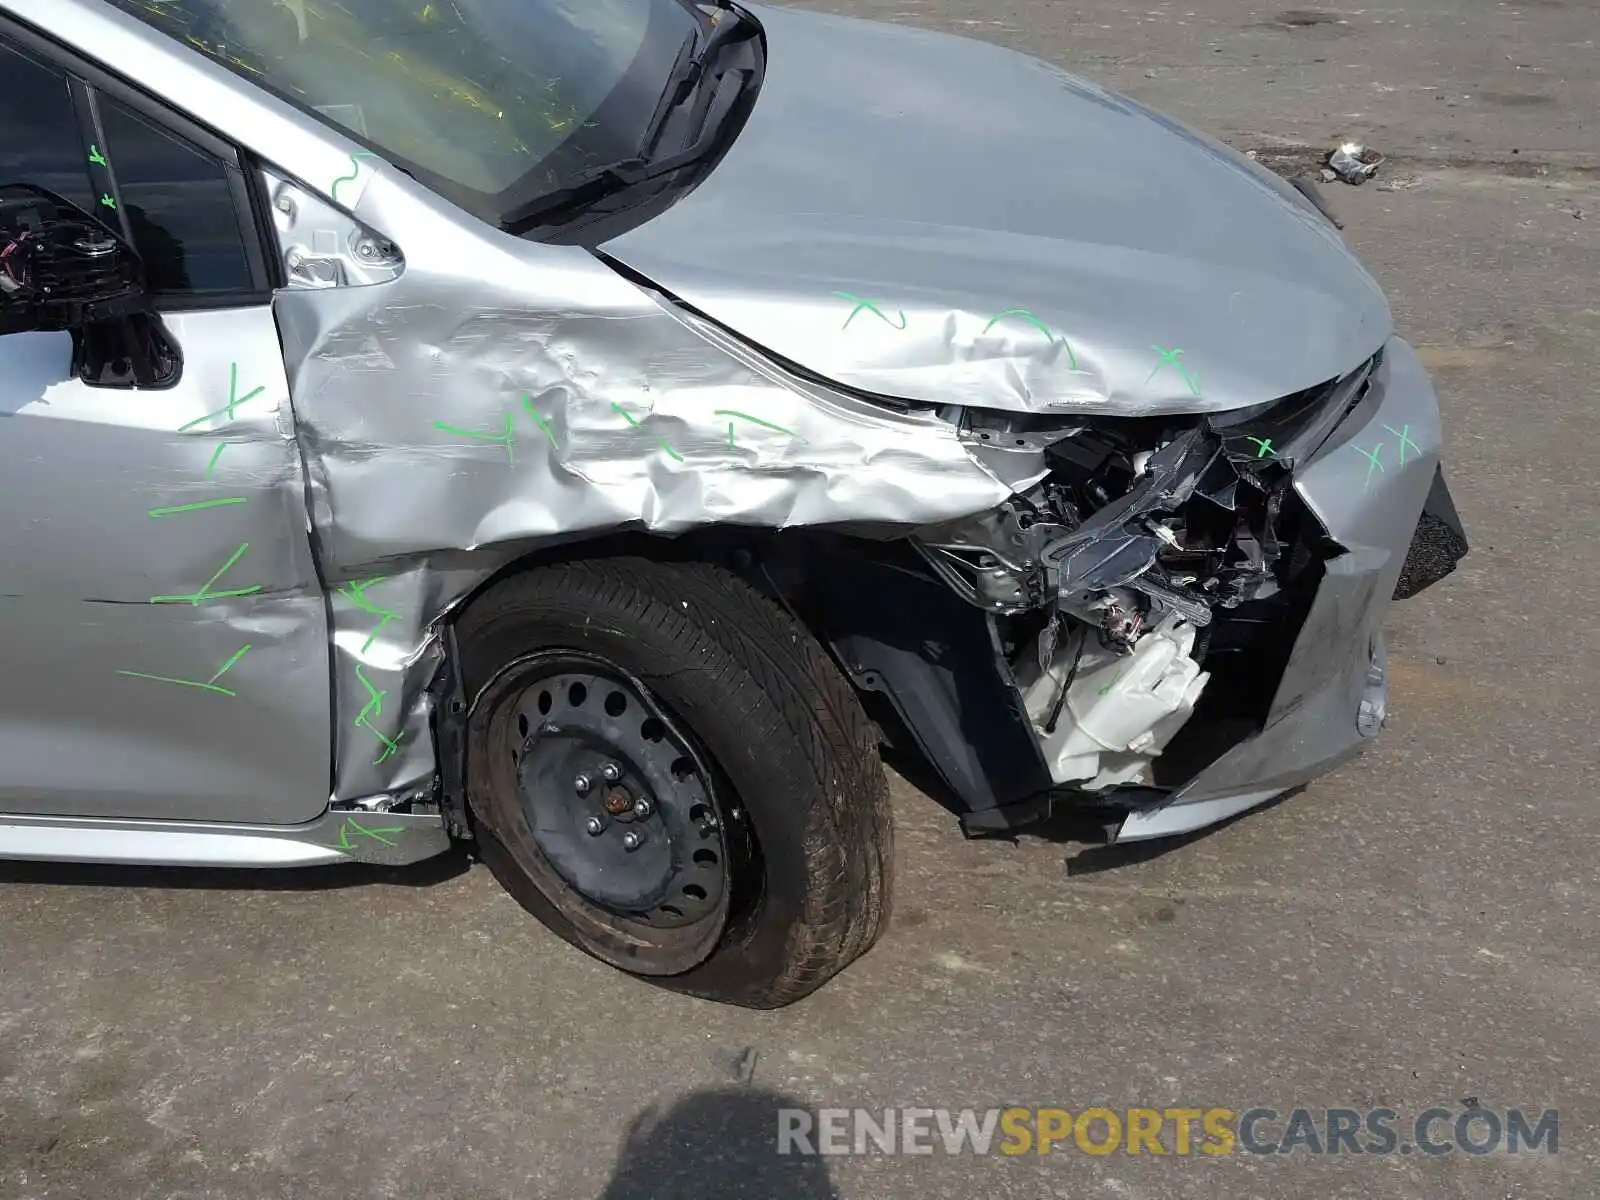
{"type": "Point", "coordinates": [743, 552]}
{"type": "Point", "coordinates": [737, 550]}
{"type": "Point", "coordinates": [923, 663]}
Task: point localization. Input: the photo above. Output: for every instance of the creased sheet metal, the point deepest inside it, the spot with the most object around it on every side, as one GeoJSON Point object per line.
{"type": "Point", "coordinates": [497, 396]}
{"type": "Point", "coordinates": [1023, 240]}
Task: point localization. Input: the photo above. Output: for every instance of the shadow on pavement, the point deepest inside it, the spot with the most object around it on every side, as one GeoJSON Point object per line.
{"type": "Point", "coordinates": [715, 1144]}
{"type": "Point", "coordinates": [437, 869]}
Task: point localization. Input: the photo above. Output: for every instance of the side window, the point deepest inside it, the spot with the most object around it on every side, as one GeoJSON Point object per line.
{"type": "Point", "coordinates": [179, 205]}
{"type": "Point", "coordinates": [39, 140]}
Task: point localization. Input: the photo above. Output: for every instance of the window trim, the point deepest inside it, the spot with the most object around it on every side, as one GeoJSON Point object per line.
{"type": "Point", "coordinates": [87, 80]}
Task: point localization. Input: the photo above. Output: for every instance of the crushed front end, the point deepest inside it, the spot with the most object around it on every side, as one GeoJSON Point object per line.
{"type": "Point", "coordinates": [1187, 610]}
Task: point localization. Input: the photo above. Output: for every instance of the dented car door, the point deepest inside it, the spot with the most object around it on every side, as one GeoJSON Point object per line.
{"type": "Point", "coordinates": [159, 566]}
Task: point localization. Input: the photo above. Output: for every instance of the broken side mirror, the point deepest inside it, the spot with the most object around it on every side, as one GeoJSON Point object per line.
{"type": "Point", "coordinates": [61, 269]}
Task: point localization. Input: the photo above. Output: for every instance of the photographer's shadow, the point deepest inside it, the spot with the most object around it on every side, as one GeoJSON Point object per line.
{"type": "Point", "coordinates": [716, 1144]}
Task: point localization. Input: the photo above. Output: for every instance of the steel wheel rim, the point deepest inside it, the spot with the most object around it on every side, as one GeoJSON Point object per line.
{"type": "Point", "coordinates": [580, 744]}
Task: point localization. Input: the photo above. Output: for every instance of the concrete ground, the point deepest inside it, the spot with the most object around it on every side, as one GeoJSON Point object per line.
{"type": "Point", "coordinates": [1421, 928]}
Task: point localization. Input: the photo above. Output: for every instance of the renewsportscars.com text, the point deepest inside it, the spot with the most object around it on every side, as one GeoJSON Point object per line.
{"type": "Point", "coordinates": [1180, 1132]}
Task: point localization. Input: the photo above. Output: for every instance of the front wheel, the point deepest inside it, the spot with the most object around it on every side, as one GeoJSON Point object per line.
{"type": "Point", "coordinates": [667, 770]}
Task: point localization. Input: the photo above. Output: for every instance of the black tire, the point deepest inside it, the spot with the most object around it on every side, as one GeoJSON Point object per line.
{"type": "Point", "coordinates": [799, 786]}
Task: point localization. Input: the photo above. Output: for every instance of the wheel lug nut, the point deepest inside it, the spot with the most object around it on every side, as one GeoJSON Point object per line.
{"type": "Point", "coordinates": [631, 840]}
{"type": "Point", "coordinates": [595, 826]}
{"type": "Point", "coordinates": [611, 772]}
{"type": "Point", "coordinates": [582, 783]}
{"type": "Point", "coordinates": [642, 808]}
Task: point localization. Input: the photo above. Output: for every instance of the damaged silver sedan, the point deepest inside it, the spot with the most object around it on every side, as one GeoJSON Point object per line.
{"type": "Point", "coordinates": [591, 430]}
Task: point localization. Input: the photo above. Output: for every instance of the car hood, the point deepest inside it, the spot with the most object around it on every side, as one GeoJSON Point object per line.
{"type": "Point", "coordinates": [941, 220]}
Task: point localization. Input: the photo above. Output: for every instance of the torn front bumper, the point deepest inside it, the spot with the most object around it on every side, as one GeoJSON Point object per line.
{"type": "Point", "coordinates": [1377, 488]}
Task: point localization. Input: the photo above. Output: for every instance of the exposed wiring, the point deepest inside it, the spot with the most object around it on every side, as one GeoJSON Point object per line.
{"type": "Point", "coordinates": [1061, 696]}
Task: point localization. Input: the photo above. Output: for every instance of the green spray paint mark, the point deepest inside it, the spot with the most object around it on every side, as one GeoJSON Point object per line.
{"type": "Point", "coordinates": [1373, 461]}
{"type": "Point", "coordinates": [1027, 317]}
{"type": "Point", "coordinates": [95, 157]}
{"type": "Point", "coordinates": [662, 442]}
{"type": "Point", "coordinates": [1170, 358]}
{"type": "Point", "coordinates": [356, 593]}
{"type": "Point", "coordinates": [205, 593]}
{"type": "Point", "coordinates": [209, 685]}
{"type": "Point", "coordinates": [1265, 445]}
{"type": "Point", "coordinates": [500, 439]}
{"type": "Point", "coordinates": [197, 506]}
{"type": "Point", "coordinates": [107, 201]}
{"type": "Point", "coordinates": [869, 306]}
{"type": "Point", "coordinates": [378, 834]}
{"type": "Point", "coordinates": [1404, 434]}
{"type": "Point", "coordinates": [729, 412]}
{"type": "Point", "coordinates": [542, 420]}
{"type": "Point", "coordinates": [229, 409]}
{"type": "Point", "coordinates": [508, 436]}
{"type": "Point", "coordinates": [374, 708]}
{"type": "Point", "coordinates": [1113, 683]}
{"type": "Point", "coordinates": [211, 466]}
{"type": "Point", "coordinates": [355, 170]}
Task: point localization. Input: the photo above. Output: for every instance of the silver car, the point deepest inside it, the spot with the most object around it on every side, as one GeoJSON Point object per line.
{"type": "Point", "coordinates": [593, 430]}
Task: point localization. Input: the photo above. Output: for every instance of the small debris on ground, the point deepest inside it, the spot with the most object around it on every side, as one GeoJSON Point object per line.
{"type": "Point", "coordinates": [1354, 163]}
{"type": "Point", "coordinates": [739, 1062]}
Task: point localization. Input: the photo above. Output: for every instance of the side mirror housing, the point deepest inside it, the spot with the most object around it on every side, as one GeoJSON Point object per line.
{"type": "Point", "coordinates": [61, 269]}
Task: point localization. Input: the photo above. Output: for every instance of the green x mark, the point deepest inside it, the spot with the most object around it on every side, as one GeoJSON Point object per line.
{"type": "Point", "coordinates": [662, 442]}
{"type": "Point", "coordinates": [728, 412]}
{"type": "Point", "coordinates": [869, 306]}
{"type": "Point", "coordinates": [106, 200]}
{"type": "Point", "coordinates": [540, 419]}
{"type": "Point", "coordinates": [1404, 434]}
{"type": "Point", "coordinates": [379, 834]}
{"type": "Point", "coordinates": [1265, 445]}
{"type": "Point", "coordinates": [205, 592]}
{"type": "Point", "coordinates": [96, 157]}
{"type": "Point", "coordinates": [229, 409]}
{"type": "Point", "coordinates": [508, 435]}
{"type": "Point", "coordinates": [1373, 461]}
{"type": "Point", "coordinates": [209, 685]}
{"type": "Point", "coordinates": [356, 593]}
{"type": "Point", "coordinates": [1027, 317]}
{"type": "Point", "coordinates": [212, 465]}
{"type": "Point", "coordinates": [374, 708]}
{"type": "Point", "coordinates": [225, 502]}
{"type": "Point", "coordinates": [1170, 358]}
{"type": "Point", "coordinates": [500, 439]}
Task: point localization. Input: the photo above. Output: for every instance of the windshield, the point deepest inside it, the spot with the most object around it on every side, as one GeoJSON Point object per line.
{"type": "Point", "coordinates": [489, 102]}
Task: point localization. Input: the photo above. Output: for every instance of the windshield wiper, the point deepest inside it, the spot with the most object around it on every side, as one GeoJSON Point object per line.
{"type": "Point", "coordinates": [595, 182]}
{"type": "Point", "coordinates": [588, 186]}
{"type": "Point", "coordinates": [687, 72]}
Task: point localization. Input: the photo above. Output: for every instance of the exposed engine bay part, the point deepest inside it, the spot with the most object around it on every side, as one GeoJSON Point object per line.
{"type": "Point", "coordinates": [1181, 516]}
{"type": "Point", "coordinates": [1102, 715]}
{"type": "Point", "coordinates": [1112, 567]}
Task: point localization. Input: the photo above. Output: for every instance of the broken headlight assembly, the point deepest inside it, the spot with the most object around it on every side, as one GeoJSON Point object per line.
{"type": "Point", "coordinates": [1106, 575]}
